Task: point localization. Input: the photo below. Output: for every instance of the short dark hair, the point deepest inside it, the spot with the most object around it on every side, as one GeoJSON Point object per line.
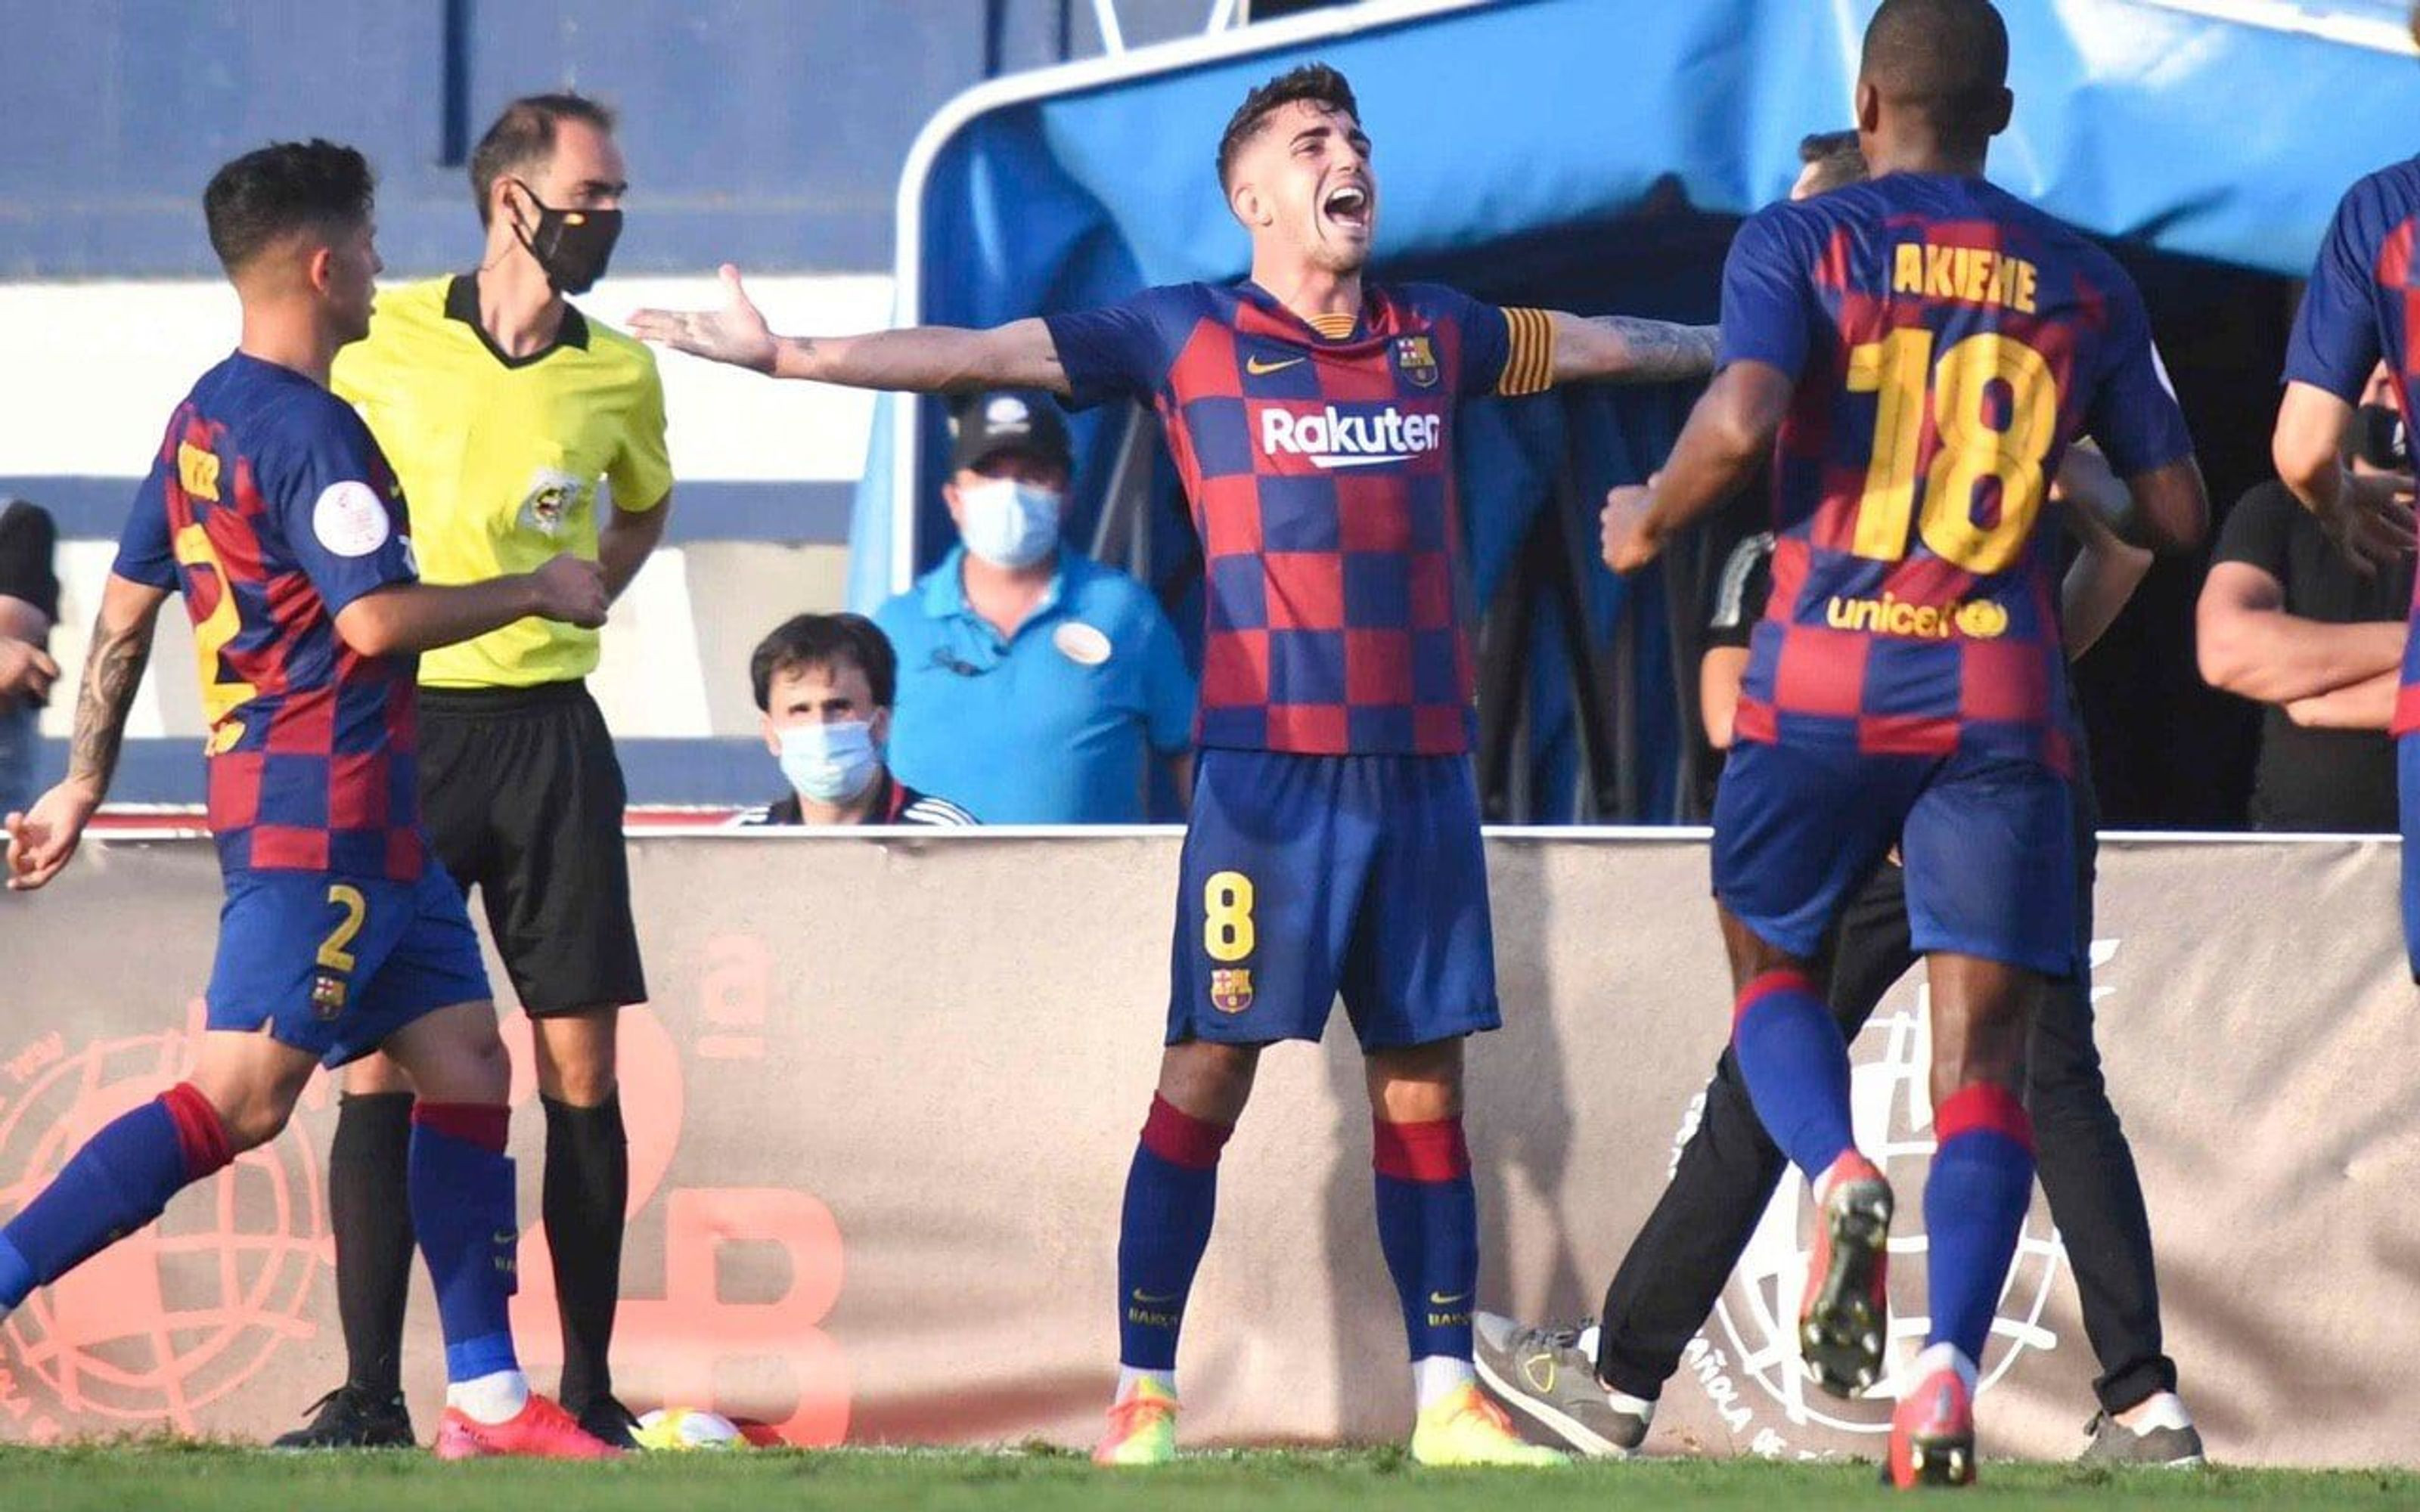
{"type": "Point", "coordinates": [274, 192]}
{"type": "Point", "coordinates": [819, 639]}
{"type": "Point", "coordinates": [1835, 157]}
{"type": "Point", "coordinates": [1314, 81]}
{"type": "Point", "coordinates": [523, 135]}
{"type": "Point", "coordinates": [1947, 60]}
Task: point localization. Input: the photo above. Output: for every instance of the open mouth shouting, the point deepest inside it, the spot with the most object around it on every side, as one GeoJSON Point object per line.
{"type": "Point", "coordinates": [1346, 208]}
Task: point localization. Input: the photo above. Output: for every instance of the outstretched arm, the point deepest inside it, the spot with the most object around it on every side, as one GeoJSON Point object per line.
{"type": "Point", "coordinates": [42, 840]}
{"type": "Point", "coordinates": [921, 359]}
{"type": "Point", "coordinates": [1621, 349]}
{"type": "Point", "coordinates": [1729, 432]}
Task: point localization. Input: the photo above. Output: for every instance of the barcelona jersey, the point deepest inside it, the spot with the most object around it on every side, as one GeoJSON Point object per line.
{"type": "Point", "coordinates": [1319, 466]}
{"type": "Point", "coordinates": [271, 508]}
{"type": "Point", "coordinates": [1948, 342]}
{"type": "Point", "coordinates": [2363, 306]}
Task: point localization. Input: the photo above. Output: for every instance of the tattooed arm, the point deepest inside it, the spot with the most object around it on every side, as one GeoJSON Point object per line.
{"type": "Point", "coordinates": [42, 840]}
{"type": "Point", "coordinates": [1625, 349]}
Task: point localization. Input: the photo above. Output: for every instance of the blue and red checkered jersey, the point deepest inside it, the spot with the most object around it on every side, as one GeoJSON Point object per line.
{"type": "Point", "coordinates": [1948, 342]}
{"type": "Point", "coordinates": [271, 508]}
{"type": "Point", "coordinates": [1319, 466]}
{"type": "Point", "coordinates": [2362, 307]}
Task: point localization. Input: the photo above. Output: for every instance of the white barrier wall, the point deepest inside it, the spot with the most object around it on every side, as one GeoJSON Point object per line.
{"type": "Point", "coordinates": [882, 1105]}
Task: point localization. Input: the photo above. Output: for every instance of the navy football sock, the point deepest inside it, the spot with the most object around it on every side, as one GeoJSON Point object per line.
{"type": "Point", "coordinates": [462, 1210]}
{"type": "Point", "coordinates": [1428, 1228]}
{"type": "Point", "coordinates": [1172, 1196]}
{"type": "Point", "coordinates": [1975, 1203]}
{"type": "Point", "coordinates": [1796, 1067]}
{"type": "Point", "coordinates": [117, 1183]}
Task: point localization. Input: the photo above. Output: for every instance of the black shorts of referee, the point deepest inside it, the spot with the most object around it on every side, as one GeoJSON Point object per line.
{"type": "Point", "coordinates": [522, 797]}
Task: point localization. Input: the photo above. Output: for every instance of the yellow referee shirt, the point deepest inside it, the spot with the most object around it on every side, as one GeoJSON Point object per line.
{"type": "Point", "coordinates": [500, 456]}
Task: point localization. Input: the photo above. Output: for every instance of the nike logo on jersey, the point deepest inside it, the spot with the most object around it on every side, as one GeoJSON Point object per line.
{"type": "Point", "coordinates": [1260, 369]}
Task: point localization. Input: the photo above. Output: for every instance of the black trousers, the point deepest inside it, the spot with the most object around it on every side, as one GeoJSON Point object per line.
{"type": "Point", "coordinates": [1682, 1259]}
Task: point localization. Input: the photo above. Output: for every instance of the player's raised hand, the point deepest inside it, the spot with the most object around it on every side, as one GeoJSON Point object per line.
{"type": "Point", "coordinates": [572, 589]}
{"type": "Point", "coordinates": [43, 839]}
{"type": "Point", "coordinates": [26, 670]}
{"type": "Point", "coordinates": [2372, 522]}
{"type": "Point", "coordinates": [1628, 545]}
{"type": "Point", "coordinates": [736, 334]}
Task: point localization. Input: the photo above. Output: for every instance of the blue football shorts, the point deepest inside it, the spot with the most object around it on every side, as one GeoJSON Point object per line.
{"type": "Point", "coordinates": [1308, 877]}
{"type": "Point", "coordinates": [335, 965]}
{"type": "Point", "coordinates": [1989, 845]}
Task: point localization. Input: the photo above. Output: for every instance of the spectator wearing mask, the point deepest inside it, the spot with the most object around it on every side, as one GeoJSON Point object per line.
{"type": "Point", "coordinates": [29, 604]}
{"type": "Point", "coordinates": [2289, 619]}
{"type": "Point", "coordinates": [1035, 685]}
{"type": "Point", "coordinates": [826, 684]}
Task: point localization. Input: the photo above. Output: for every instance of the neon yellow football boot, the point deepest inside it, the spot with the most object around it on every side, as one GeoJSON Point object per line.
{"type": "Point", "coordinates": [1142, 1428]}
{"type": "Point", "coordinates": [1466, 1428]}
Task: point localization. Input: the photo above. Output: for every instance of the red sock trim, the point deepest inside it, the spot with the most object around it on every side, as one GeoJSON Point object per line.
{"type": "Point", "coordinates": [484, 1124]}
{"type": "Point", "coordinates": [1432, 1151]}
{"type": "Point", "coordinates": [1785, 980]}
{"type": "Point", "coordinates": [1179, 1138]}
{"type": "Point", "coordinates": [200, 1132]}
{"type": "Point", "coordinates": [1984, 1106]}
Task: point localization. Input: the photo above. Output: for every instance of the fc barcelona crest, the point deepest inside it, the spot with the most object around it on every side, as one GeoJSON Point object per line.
{"type": "Point", "coordinates": [328, 997]}
{"type": "Point", "coordinates": [1231, 989]}
{"type": "Point", "coordinates": [1415, 360]}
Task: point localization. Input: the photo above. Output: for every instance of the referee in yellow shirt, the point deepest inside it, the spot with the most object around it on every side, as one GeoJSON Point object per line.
{"type": "Point", "coordinates": [503, 410]}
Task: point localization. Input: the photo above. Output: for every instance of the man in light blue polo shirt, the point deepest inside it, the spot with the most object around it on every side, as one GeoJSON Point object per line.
{"type": "Point", "coordinates": [1035, 685]}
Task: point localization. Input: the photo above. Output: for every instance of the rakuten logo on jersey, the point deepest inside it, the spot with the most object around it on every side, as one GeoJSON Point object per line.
{"type": "Point", "coordinates": [1350, 435]}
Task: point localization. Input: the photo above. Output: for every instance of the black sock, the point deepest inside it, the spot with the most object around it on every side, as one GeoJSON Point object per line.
{"type": "Point", "coordinates": [367, 1177]}
{"type": "Point", "coordinates": [587, 1187]}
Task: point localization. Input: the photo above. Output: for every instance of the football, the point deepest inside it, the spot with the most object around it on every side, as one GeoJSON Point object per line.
{"type": "Point", "coordinates": [687, 1427]}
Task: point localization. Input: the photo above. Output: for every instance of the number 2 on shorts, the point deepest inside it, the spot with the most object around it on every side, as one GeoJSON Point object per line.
{"type": "Point", "coordinates": [1227, 917]}
{"type": "Point", "coordinates": [334, 954]}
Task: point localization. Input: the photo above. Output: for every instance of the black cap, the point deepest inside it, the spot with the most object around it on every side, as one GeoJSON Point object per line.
{"type": "Point", "coordinates": [1010, 420]}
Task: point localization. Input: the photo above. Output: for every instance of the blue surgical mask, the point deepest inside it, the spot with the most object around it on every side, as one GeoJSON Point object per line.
{"type": "Point", "coordinates": [831, 763]}
{"type": "Point", "coordinates": [1011, 524]}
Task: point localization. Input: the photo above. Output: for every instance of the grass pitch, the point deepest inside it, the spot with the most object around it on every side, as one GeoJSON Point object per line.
{"type": "Point", "coordinates": [211, 1478]}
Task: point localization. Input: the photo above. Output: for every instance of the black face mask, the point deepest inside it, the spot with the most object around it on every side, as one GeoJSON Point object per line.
{"type": "Point", "coordinates": [572, 246]}
{"type": "Point", "coordinates": [2378, 438]}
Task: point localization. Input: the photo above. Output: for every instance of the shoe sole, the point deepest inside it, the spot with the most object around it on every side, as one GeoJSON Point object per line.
{"type": "Point", "coordinates": [2124, 1462]}
{"type": "Point", "coordinates": [1938, 1461]}
{"type": "Point", "coordinates": [1840, 1333]}
{"type": "Point", "coordinates": [1546, 1415]}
